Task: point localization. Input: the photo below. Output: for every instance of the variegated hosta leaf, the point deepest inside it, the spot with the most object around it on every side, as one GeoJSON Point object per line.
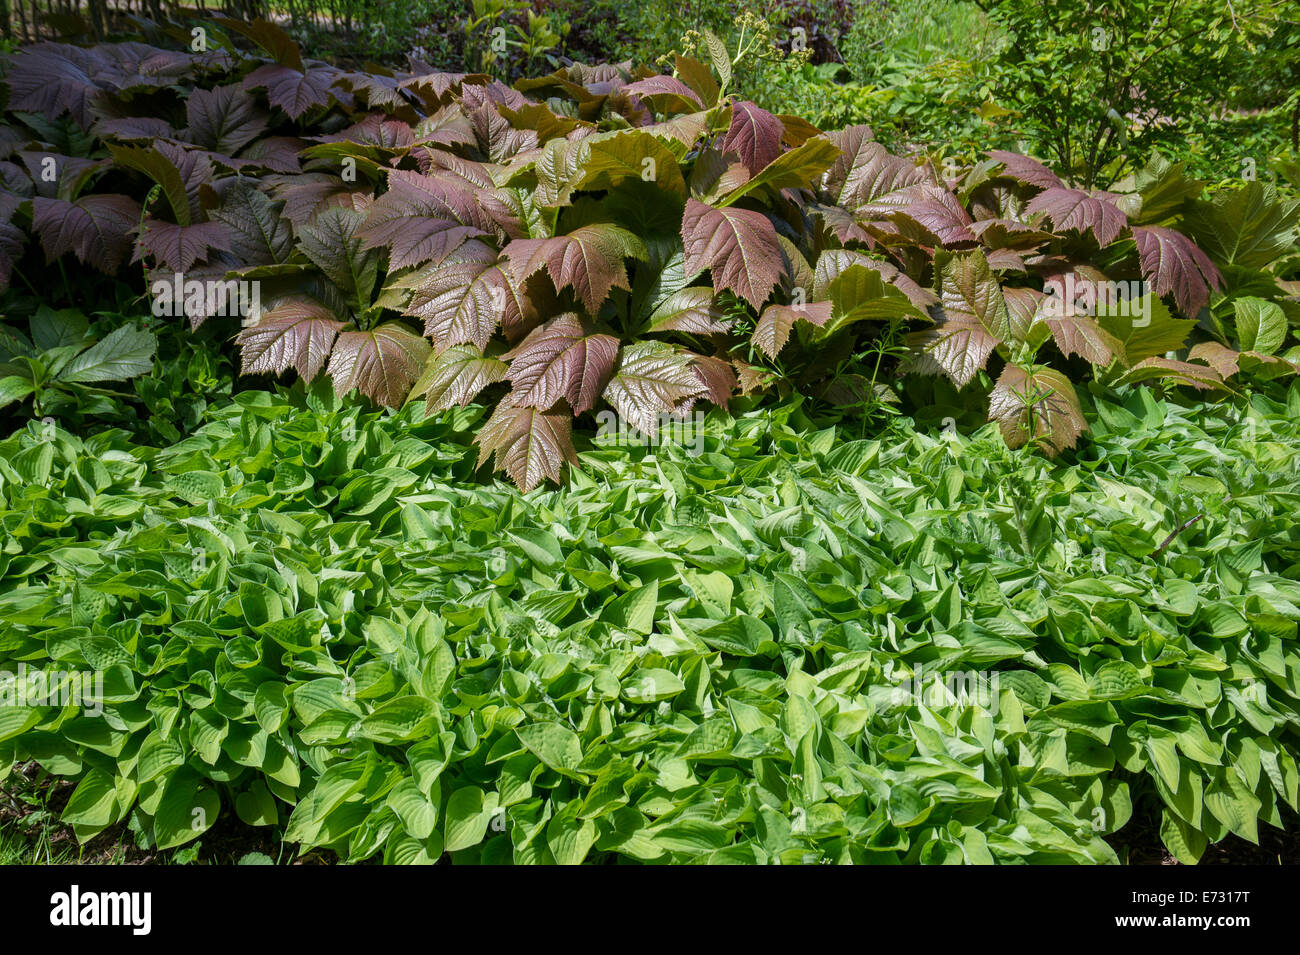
{"type": "Point", "coordinates": [529, 444]}
{"type": "Point", "coordinates": [293, 334]}
{"type": "Point", "coordinates": [739, 246]}
{"type": "Point", "coordinates": [563, 358]}
{"type": "Point", "coordinates": [772, 330]}
{"type": "Point", "coordinates": [1073, 209]}
{"type": "Point", "coordinates": [1173, 264]}
{"type": "Point", "coordinates": [653, 379]}
{"type": "Point", "coordinates": [589, 260]}
{"type": "Point", "coordinates": [382, 362]}
{"type": "Point", "coordinates": [455, 376]}
{"type": "Point", "coordinates": [1039, 403]}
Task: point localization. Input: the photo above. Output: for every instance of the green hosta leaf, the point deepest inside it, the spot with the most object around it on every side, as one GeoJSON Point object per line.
{"type": "Point", "coordinates": [186, 811]}
{"type": "Point", "coordinates": [469, 810]}
{"type": "Point", "coordinates": [555, 745]}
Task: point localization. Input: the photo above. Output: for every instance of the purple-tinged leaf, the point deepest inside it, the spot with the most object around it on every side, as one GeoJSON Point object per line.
{"type": "Point", "coordinates": [739, 246]}
{"type": "Point", "coordinates": [294, 334]}
{"type": "Point", "coordinates": [563, 358]}
{"type": "Point", "coordinates": [1174, 264]}
{"type": "Point", "coordinates": [382, 363]}
{"type": "Point", "coordinates": [529, 444]}
{"type": "Point", "coordinates": [1073, 209]}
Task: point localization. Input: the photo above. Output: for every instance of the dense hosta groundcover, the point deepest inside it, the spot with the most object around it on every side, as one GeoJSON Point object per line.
{"type": "Point", "coordinates": [308, 614]}
{"type": "Point", "coordinates": [610, 236]}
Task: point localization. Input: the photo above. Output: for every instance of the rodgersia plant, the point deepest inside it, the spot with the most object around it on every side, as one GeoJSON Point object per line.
{"type": "Point", "coordinates": [609, 237]}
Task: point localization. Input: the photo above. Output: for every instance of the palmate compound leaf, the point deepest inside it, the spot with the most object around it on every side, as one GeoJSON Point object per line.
{"type": "Point", "coordinates": [1250, 226]}
{"type": "Point", "coordinates": [563, 358]}
{"type": "Point", "coordinates": [382, 362]}
{"type": "Point", "coordinates": [97, 229]}
{"type": "Point", "coordinates": [162, 170]}
{"type": "Point", "coordinates": [1073, 330]}
{"type": "Point", "coordinates": [294, 91]}
{"type": "Point", "coordinates": [667, 94]}
{"type": "Point", "coordinates": [456, 376]}
{"type": "Point", "coordinates": [653, 379]}
{"type": "Point", "coordinates": [416, 221]}
{"type": "Point", "coordinates": [297, 333]}
{"type": "Point", "coordinates": [798, 168]}
{"type": "Point", "coordinates": [1026, 170]}
{"type": "Point", "coordinates": [529, 444]}
{"type": "Point", "coordinates": [589, 260]}
{"type": "Point", "coordinates": [1142, 327]}
{"type": "Point", "coordinates": [463, 299]}
{"type": "Point", "coordinates": [739, 246]}
{"type": "Point", "coordinates": [1073, 209]}
{"type": "Point", "coordinates": [975, 318]}
{"type": "Point", "coordinates": [692, 310]}
{"type": "Point", "coordinates": [1158, 368]}
{"type": "Point", "coordinates": [602, 161]}
{"type": "Point", "coordinates": [259, 234]}
{"type": "Point", "coordinates": [330, 240]}
{"type": "Point", "coordinates": [223, 119]}
{"type": "Point", "coordinates": [1173, 264]}
{"type": "Point", "coordinates": [867, 175]}
{"type": "Point", "coordinates": [177, 247]}
{"type": "Point", "coordinates": [1039, 403]}
{"type": "Point", "coordinates": [772, 330]}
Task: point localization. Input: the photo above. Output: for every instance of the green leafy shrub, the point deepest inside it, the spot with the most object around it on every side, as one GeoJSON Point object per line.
{"type": "Point", "coordinates": [63, 365]}
{"type": "Point", "coordinates": [1099, 88]}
